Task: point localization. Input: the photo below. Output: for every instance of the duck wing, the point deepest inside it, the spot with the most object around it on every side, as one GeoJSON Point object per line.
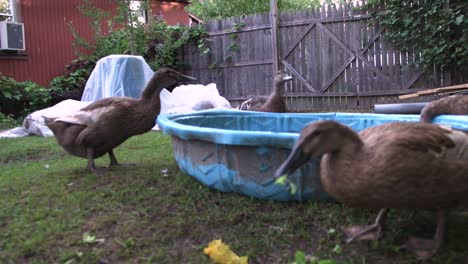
{"type": "Point", "coordinates": [96, 111]}
{"type": "Point", "coordinates": [416, 165]}
{"type": "Point", "coordinates": [111, 124]}
{"type": "Point", "coordinates": [274, 104]}
{"type": "Point", "coordinates": [414, 137]}
{"type": "Point", "coordinates": [253, 104]}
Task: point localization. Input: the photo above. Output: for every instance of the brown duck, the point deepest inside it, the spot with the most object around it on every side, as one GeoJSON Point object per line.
{"type": "Point", "coordinates": [402, 165]}
{"type": "Point", "coordinates": [105, 124]}
{"type": "Point", "coordinates": [451, 105]}
{"type": "Point", "coordinates": [274, 102]}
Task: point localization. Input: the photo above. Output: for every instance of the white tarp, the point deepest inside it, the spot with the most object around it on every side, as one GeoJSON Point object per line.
{"type": "Point", "coordinates": [34, 124]}
{"type": "Point", "coordinates": [117, 75]}
{"type": "Point", "coordinates": [191, 98]}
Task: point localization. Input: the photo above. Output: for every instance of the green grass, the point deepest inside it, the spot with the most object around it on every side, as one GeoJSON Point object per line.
{"type": "Point", "coordinates": [48, 200]}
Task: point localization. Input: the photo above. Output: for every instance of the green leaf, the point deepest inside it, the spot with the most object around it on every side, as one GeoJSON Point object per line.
{"type": "Point", "coordinates": [7, 95]}
{"type": "Point", "coordinates": [293, 188]}
{"type": "Point", "coordinates": [88, 238]}
{"type": "Point", "coordinates": [282, 180]}
{"type": "Point", "coordinates": [300, 257]}
{"type": "Point", "coordinates": [314, 260]}
{"type": "Point", "coordinates": [459, 20]}
{"type": "Point", "coordinates": [337, 250]}
{"type": "Point", "coordinates": [327, 261]}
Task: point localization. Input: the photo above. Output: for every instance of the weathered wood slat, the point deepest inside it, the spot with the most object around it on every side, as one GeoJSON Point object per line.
{"type": "Point", "coordinates": [435, 90]}
{"type": "Point", "coordinates": [344, 94]}
{"type": "Point", "coordinates": [298, 75]}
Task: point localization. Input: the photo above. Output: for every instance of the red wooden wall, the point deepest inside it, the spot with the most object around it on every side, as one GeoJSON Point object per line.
{"type": "Point", "coordinates": [173, 12]}
{"type": "Point", "coordinates": [48, 38]}
{"type": "Point", "coordinates": [49, 41]}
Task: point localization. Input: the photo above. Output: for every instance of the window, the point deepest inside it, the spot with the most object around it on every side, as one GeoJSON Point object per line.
{"type": "Point", "coordinates": [11, 30]}
{"type": "Point", "coordinates": [7, 10]}
{"type": "Point", "coordinates": [138, 10]}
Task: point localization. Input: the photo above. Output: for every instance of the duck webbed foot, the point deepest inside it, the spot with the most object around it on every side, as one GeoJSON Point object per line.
{"type": "Point", "coordinates": [367, 232]}
{"type": "Point", "coordinates": [115, 163]}
{"type": "Point", "coordinates": [426, 248]}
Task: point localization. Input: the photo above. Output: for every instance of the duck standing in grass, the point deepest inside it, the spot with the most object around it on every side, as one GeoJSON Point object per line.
{"type": "Point", "coordinates": [274, 102]}
{"type": "Point", "coordinates": [451, 105]}
{"type": "Point", "coordinates": [401, 165]}
{"type": "Point", "coordinates": [105, 124]}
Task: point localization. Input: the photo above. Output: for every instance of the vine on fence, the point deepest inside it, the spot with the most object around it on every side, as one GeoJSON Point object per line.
{"type": "Point", "coordinates": [438, 29]}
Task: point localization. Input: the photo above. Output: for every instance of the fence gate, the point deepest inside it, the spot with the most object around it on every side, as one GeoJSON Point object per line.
{"type": "Point", "coordinates": [339, 58]}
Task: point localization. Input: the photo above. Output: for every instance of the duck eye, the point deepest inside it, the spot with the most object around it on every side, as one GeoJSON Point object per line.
{"type": "Point", "coordinates": [312, 135]}
{"type": "Point", "coordinates": [316, 133]}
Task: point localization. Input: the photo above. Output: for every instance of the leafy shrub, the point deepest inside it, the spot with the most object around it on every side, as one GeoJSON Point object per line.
{"type": "Point", "coordinates": [72, 84]}
{"type": "Point", "coordinates": [35, 97]}
{"type": "Point", "coordinates": [218, 9]}
{"type": "Point", "coordinates": [437, 29]}
{"type": "Point", "coordinates": [10, 96]}
{"type": "Point", "coordinates": [163, 42]}
{"type": "Point", "coordinates": [21, 98]}
{"type": "Point", "coordinates": [7, 121]}
{"type": "Point", "coordinates": [156, 41]}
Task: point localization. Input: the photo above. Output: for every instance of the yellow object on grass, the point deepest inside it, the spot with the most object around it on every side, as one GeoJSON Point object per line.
{"type": "Point", "coordinates": [222, 254]}
{"type": "Point", "coordinates": [283, 180]}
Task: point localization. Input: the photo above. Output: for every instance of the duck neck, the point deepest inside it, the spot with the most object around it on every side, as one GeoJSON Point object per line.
{"type": "Point", "coordinates": [351, 144]}
{"type": "Point", "coordinates": [277, 89]}
{"type": "Point", "coordinates": [154, 86]}
{"type": "Point", "coordinates": [150, 96]}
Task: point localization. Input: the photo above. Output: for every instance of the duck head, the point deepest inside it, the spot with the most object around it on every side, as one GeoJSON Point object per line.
{"type": "Point", "coordinates": [281, 77]}
{"type": "Point", "coordinates": [165, 78]}
{"type": "Point", "coordinates": [171, 75]}
{"type": "Point", "coordinates": [278, 81]}
{"type": "Point", "coordinates": [315, 140]}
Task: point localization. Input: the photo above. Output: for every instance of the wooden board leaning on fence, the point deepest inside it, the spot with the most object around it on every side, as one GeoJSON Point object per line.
{"type": "Point", "coordinates": [441, 91]}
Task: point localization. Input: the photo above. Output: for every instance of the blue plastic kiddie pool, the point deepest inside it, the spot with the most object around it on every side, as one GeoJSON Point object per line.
{"type": "Point", "coordinates": [239, 151]}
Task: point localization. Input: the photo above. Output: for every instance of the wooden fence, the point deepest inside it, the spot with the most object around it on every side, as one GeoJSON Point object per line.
{"type": "Point", "coordinates": [337, 55]}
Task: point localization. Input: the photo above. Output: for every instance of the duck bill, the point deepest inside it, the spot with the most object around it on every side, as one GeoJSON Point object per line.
{"type": "Point", "coordinates": [295, 160]}
{"type": "Point", "coordinates": [287, 78]}
{"type": "Point", "coordinates": [186, 78]}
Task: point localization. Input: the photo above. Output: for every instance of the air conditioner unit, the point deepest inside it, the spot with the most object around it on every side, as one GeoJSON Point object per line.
{"type": "Point", "coordinates": [11, 35]}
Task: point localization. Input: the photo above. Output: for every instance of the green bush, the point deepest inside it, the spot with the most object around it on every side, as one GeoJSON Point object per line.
{"type": "Point", "coordinates": [10, 96]}
{"type": "Point", "coordinates": [219, 9]}
{"type": "Point", "coordinates": [163, 42]}
{"type": "Point", "coordinates": [156, 41]}
{"type": "Point", "coordinates": [8, 121]}
{"type": "Point", "coordinates": [21, 98]}
{"type": "Point", "coordinates": [437, 29]}
{"type": "Point", "coordinates": [72, 84]}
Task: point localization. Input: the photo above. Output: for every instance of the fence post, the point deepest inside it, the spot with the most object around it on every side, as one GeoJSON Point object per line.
{"type": "Point", "coordinates": [274, 33]}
